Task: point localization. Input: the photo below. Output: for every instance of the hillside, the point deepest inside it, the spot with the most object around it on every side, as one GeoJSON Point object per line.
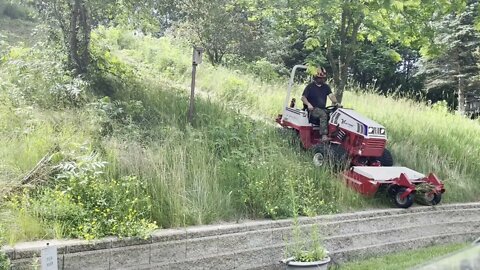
{"type": "Point", "coordinates": [17, 26]}
{"type": "Point", "coordinates": [427, 138]}
{"type": "Point", "coordinates": [125, 160]}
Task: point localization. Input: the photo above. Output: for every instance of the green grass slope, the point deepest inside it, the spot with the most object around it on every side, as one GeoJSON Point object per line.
{"type": "Point", "coordinates": [130, 162]}
{"type": "Point", "coordinates": [427, 139]}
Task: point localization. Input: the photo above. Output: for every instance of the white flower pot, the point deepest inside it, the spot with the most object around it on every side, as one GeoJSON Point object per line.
{"type": "Point", "coordinates": [293, 265]}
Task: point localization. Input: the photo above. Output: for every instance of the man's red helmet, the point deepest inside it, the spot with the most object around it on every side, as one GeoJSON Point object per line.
{"type": "Point", "coordinates": [321, 73]}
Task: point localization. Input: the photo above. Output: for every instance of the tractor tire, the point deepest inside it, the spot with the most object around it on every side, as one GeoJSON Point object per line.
{"type": "Point", "coordinates": [433, 199]}
{"type": "Point", "coordinates": [331, 155]}
{"type": "Point", "coordinates": [320, 156]}
{"type": "Point", "coordinates": [386, 159]}
{"type": "Point", "coordinates": [402, 203]}
{"type": "Point", "coordinates": [437, 198]}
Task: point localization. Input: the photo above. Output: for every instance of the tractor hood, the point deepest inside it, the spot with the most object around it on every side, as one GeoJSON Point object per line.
{"type": "Point", "coordinates": [353, 121]}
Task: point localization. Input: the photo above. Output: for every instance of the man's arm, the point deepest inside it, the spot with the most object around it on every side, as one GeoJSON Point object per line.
{"type": "Point", "coordinates": [305, 101]}
{"type": "Point", "coordinates": [333, 98]}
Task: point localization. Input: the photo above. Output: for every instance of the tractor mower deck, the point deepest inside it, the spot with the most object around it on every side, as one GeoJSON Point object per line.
{"type": "Point", "coordinates": [387, 174]}
{"type": "Point", "coordinates": [401, 183]}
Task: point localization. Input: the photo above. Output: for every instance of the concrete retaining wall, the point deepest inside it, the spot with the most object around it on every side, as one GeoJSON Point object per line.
{"type": "Point", "coordinates": [261, 244]}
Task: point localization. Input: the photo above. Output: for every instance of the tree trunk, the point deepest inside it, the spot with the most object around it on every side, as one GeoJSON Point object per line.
{"type": "Point", "coordinates": [215, 56]}
{"type": "Point", "coordinates": [350, 24]}
{"type": "Point", "coordinates": [331, 59]}
{"type": "Point", "coordinates": [461, 97]}
{"type": "Point", "coordinates": [79, 39]}
{"type": "Point", "coordinates": [460, 91]}
{"type": "Point", "coordinates": [73, 57]}
{"type": "Point", "coordinates": [342, 82]}
{"type": "Point", "coordinates": [84, 50]}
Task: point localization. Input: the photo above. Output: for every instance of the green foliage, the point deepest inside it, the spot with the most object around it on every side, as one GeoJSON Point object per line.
{"type": "Point", "coordinates": [335, 31]}
{"type": "Point", "coordinates": [222, 27]}
{"type": "Point", "coordinates": [53, 87]}
{"type": "Point", "coordinates": [243, 159]}
{"type": "Point", "coordinates": [71, 23]}
{"type": "Point", "coordinates": [428, 128]}
{"type": "Point", "coordinates": [303, 247]}
{"type": "Point", "coordinates": [4, 260]}
{"type": "Point", "coordinates": [85, 204]}
{"type": "Point", "coordinates": [451, 67]}
{"type": "Point", "coordinates": [441, 107]}
{"type": "Point", "coordinates": [29, 134]}
{"type": "Point", "coordinates": [388, 67]}
{"type": "Point", "coordinates": [13, 32]}
{"type": "Point", "coordinates": [316, 254]}
{"type": "Point", "coordinates": [264, 70]}
{"type": "Point", "coordinates": [20, 225]}
{"type": "Point", "coordinates": [14, 11]}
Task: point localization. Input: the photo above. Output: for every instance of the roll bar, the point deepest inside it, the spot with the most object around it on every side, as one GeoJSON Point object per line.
{"type": "Point", "coordinates": [290, 83]}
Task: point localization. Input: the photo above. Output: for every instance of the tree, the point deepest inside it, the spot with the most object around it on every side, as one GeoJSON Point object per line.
{"type": "Point", "coordinates": [222, 27]}
{"type": "Point", "coordinates": [335, 29]}
{"type": "Point", "coordinates": [76, 18]}
{"type": "Point", "coordinates": [388, 67]}
{"type": "Point", "coordinates": [451, 66]}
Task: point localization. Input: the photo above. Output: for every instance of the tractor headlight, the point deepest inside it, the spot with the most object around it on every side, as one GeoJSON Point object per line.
{"type": "Point", "coordinates": [370, 130]}
{"type": "Point", "coordinates": [382, 131]}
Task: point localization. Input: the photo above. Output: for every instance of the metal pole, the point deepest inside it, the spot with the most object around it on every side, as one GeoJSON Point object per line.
{"type": "Point", "coordinates": [191, 110]}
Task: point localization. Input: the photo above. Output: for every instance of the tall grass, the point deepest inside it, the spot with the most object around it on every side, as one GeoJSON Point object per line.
{"type": "Point", "coordinates": [182, 179]}
{"type": "Point", "coordinates": [226, 166]}
{"type": "Point", "coordinates": [424, 138]}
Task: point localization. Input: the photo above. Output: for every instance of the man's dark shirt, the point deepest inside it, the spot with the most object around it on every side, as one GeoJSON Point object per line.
{"type": "Point", "coordinates": [317, 95]}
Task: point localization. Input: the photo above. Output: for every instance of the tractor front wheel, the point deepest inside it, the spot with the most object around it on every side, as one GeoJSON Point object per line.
{"type": "Point", "coordinates": [386, 159]}
{"type": "Point", "coordinates": [319, 158]}
{"type": "Point", "coordinates": [332, 155]}
{"type": "Point", "coordinates": [397, 198]}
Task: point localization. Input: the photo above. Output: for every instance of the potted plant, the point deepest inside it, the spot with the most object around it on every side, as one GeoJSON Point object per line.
{"type": "Point", "coordinates": [305, 254]}
{"type": "Point", "coordinates": [305, 251]}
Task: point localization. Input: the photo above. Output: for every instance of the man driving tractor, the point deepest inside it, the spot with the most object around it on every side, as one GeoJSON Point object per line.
{"type": "Point", "coordinates": [314, 98]}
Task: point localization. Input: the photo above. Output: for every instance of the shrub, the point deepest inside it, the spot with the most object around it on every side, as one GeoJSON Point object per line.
{"type": "Point", "coordinates": [441, 107]}
{"type": "Point", "coordinates": [34, 76]}
{"type": "Point", "coordinates": [88, 205]}
{"type": "Point", "coordinates": [14, 11]}
{"type": "Point", "coordinates": [265, 70]}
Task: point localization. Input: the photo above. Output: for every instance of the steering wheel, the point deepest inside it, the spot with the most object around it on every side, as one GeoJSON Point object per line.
{"type": "Point", "coordinates": [330, 109]}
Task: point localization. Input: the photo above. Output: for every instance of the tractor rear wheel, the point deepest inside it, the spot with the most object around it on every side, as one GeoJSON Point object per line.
{"type": "Point", "coordinates": [386, 159]}
{"type": "Point", "coordinates": [399, 202]}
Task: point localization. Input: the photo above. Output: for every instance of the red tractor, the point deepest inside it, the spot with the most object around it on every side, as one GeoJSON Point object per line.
{"type": "Point", "coordinates": [357, 144]}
